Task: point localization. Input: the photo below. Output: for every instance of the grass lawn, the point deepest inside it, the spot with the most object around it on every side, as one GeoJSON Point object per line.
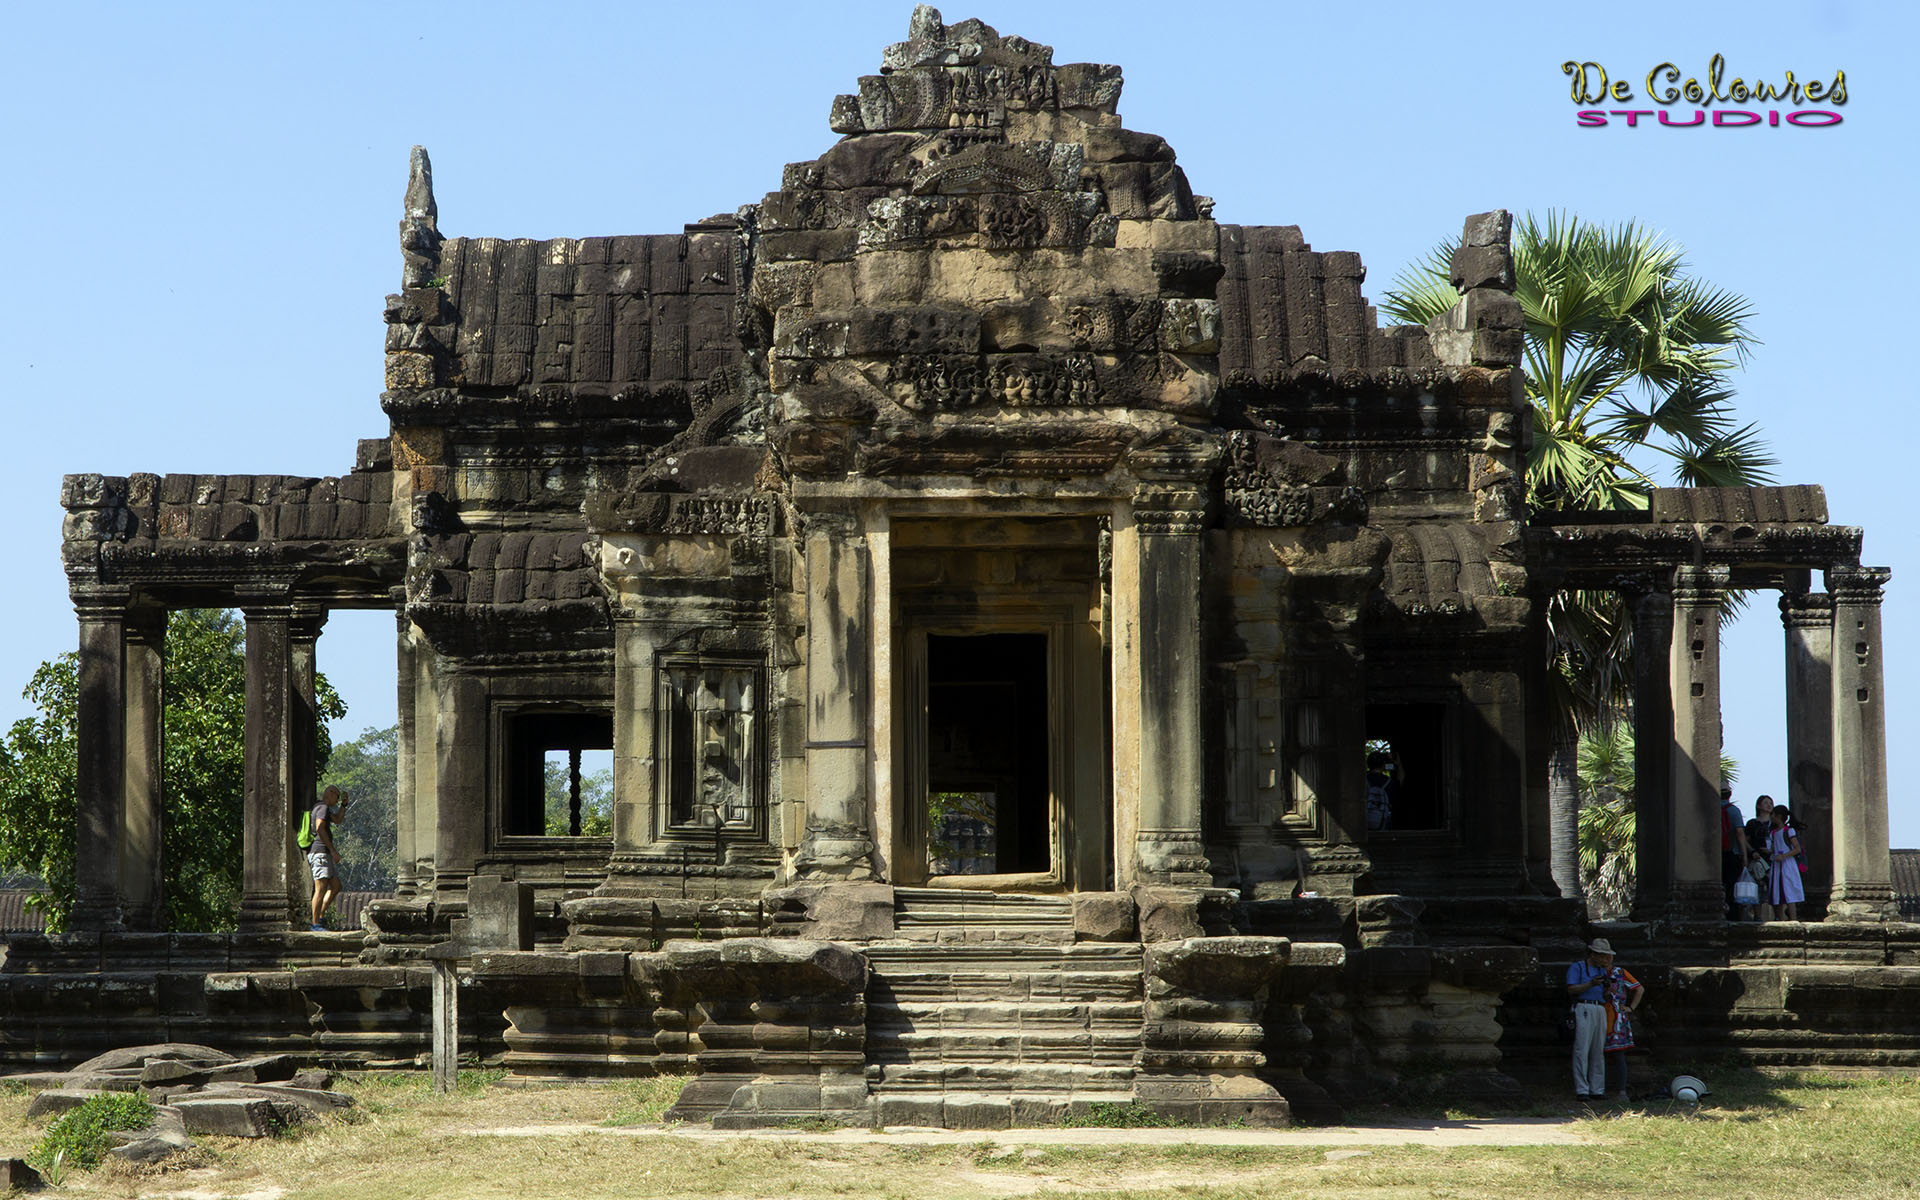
{"type": "Point", "coordinates": [1758, 1136]}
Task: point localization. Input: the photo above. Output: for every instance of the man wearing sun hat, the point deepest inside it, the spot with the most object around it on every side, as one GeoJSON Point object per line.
{"type": "Point", "coordinates": [1586, 987]}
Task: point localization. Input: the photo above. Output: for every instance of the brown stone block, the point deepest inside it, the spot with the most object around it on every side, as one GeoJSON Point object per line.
{"type": "Point", "coordinates": [1488, 229]}
{"type": "Point", "coordinates": [1482, 266]}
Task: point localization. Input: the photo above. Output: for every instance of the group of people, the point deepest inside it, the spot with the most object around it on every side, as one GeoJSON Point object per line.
{"type": "Point", "coordinates": [1765, 852]}
{"type": "Point", "coordinates": [1604, 1000]}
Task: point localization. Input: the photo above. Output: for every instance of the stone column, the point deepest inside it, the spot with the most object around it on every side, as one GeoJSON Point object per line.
{"type": "Point", "coordinates": [838, 841]}
{"type": "Point", "coordinates": [1808, 619]}
{"type": "Point", "coordinates": [425, 763]}
{"type": "Point", "coordinates": [303, 726]}
{"type": "Point", "coordinates": [265, 881]}
{"type": "Point", "coordinates": [1862, 874]}
{"type": "Point", "coordinates": [406, 855]}
{"type": "Point", "coordinates": [100, 772]}
{"type": "Point", "coordinates": [142, 854]}
{"type": "Point", "coordinates": [636, 786]}
{"type": "Point", "coordinates": [1696, 892]}
{"type": "Point", "coordinates": [461, 780]}
{"type": "Point", "coordinates": [1169, 843]}
{"type": "Point", "coordinates": [1651, 609]}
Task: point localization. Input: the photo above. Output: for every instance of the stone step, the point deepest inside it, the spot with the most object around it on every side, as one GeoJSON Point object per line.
{"type": "Point", "coordinates": [987, 987]}
{"type": "Point", "coordinates": [1082, 956]}
{"type": "Point", "coordinates": [1028, 1049]}
{"type": "Point", "coordinates": [1075, 1078]}
{"type": "Point", "coordinates": [978, 912]}
{"type": "Point", "coordinates": [1004, 1014]}
{"type": "Point", "coordinates": [969, 934]}
{"type": "Point", "coordinates": [987, 1110]}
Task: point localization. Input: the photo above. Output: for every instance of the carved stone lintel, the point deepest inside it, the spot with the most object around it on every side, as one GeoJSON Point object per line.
{"type": "Point", "coordinates": [1169, 511]}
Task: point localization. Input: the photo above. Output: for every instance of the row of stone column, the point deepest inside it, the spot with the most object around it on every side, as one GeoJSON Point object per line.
{"type": "Point", "coordinates": [119, 864]}
{"type": "Point", "coordinates": [1836, 742]}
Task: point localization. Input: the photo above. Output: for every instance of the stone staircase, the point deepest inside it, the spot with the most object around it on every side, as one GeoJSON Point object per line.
{"type": "Point", "coordinates": [984, 1014]}
{"type": "Point", "coordinates": [951, 916]}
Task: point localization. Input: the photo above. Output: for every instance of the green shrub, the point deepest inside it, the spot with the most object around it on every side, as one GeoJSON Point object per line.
{"type": "Point", "coordinates": [81, 1133]}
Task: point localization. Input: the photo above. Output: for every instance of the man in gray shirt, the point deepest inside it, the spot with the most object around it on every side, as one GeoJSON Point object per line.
{"type": "Point", "coordinates": [323, 860]}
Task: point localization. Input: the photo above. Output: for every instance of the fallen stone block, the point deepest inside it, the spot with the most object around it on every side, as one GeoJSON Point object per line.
{"type": "Point", "coordinates": [238, 1116]}
{"type": "Point", "coordinates": [269, 1068]}
{"type": "Point", "coordinates": [316, 1100]}
{"type": "Point", "coordinates": [151, 1148]}
{"type": "Point", "coordinates": [53, 1102]}
{"type": "Point", "coordinates": [313, 1079]}
{"type": "Point", "coordinates": [37, 1080]}
{"type": "Point", "coordinates": [137, 1056]}
{"type": "Point", "coordinates": [172, 1071]}
{"type": "Point", "coordinates": [22, 1178]}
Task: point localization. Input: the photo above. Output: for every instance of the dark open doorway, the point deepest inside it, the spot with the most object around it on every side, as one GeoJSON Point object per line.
{"type": "Point", "coordinates": [987, 754]}
{"type": "Point", "coordinates": [1406, 766]}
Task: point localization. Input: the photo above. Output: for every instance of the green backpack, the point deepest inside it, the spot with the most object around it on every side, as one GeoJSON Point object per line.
{"type": "Point", "coordinates": [304, 839]}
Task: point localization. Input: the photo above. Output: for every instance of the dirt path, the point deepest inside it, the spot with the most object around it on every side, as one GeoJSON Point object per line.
{"type": "Point", "coordinates": [1536, 1131]}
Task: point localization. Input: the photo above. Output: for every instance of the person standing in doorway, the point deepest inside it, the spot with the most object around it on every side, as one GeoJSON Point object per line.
{"type": "Point", "coordinates": [1783, 846]}
{"type": "Point", "coordinates": [323, 859]}
{"type": "Point", "coordinates": [1586, 987]}
{"type": "Point", "coordinates": [1733, 849]}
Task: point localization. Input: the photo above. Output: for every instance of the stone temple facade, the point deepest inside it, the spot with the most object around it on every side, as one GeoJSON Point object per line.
{"type": "Point", "coordinates": [988, 575]}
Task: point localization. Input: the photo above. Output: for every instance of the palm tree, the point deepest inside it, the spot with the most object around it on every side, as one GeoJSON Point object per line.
{"type": "Point", "coordinates": [1627, 363]}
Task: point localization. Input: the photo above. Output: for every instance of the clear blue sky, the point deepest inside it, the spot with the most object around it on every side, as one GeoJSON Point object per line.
{"type": "Point", "coordinates": [203, 204]}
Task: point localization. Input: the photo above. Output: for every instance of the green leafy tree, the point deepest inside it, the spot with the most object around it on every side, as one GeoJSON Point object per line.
{"type": "Point", "coordinates": [366, 768]}
{"type": "Point", "coordinates": [596, 801]}
{"type": "Point", "coordinates": [1628, 359]}
{"type": "Point", "coordinates": [202, 773]}
{"type": "Point", "coordinates": [1608, 822]}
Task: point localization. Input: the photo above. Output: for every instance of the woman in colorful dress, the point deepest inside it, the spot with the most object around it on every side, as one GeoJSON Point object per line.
{"type": "Point", "coordinates": [1783, 847]}
{"type": "Point", "coordinates": [1623, 994]}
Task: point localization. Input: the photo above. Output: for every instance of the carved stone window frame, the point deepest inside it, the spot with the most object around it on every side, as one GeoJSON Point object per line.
{"type": "Point", "coordinates": [502, 714]}
{"type": "Point", "coordinates": [675, 737]}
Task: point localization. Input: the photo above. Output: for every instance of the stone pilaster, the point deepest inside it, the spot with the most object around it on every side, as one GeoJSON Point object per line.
{"type": "Point", "coordinates": [838, 840]}
{"type": "Point", "coordinates": [100, 773]}
{"type": "Point", "coordinates": [266, 880]}
{"type": "Point", "coordinates": [425, 762]}
{"type": "Point", "coordinates": [1651, 609]}
{"type": "Point", "coordinates": [1808, 621]}
{"type": "Point", "coordinates": [636, 783]}
{"type": "Point", "coordinates": [1169, 843]}
{"type": "Point", "coordinates": [1862, 875]}
{"type": "Point", "coordinates": [142, 855]}
{"type": "Point", "coordinates": [406, 830]}
{"type": "Point", "coordinates": [1696, 892]}
{"type": "Point", "coordinates": [461, 813]}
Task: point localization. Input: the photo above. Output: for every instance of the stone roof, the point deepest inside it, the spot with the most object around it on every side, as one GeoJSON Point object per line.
{"type": "Point", "coordinates": [1906, 883]}
{"type": "Point", "coordinates": [15, 916]}
{"type": "Point", "coordinates": [598, 314]}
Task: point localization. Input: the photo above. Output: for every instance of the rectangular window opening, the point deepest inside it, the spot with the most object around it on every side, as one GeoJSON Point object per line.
{"type": "Point", "coordinates": [560, 774]}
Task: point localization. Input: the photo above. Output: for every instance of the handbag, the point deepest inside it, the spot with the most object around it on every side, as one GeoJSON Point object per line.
{"type": "Point", "coordinates": [1746, 891]}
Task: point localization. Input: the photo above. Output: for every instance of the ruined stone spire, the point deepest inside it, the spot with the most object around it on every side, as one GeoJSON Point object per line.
{"type": "Point", "coordinates": [419, 224]}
